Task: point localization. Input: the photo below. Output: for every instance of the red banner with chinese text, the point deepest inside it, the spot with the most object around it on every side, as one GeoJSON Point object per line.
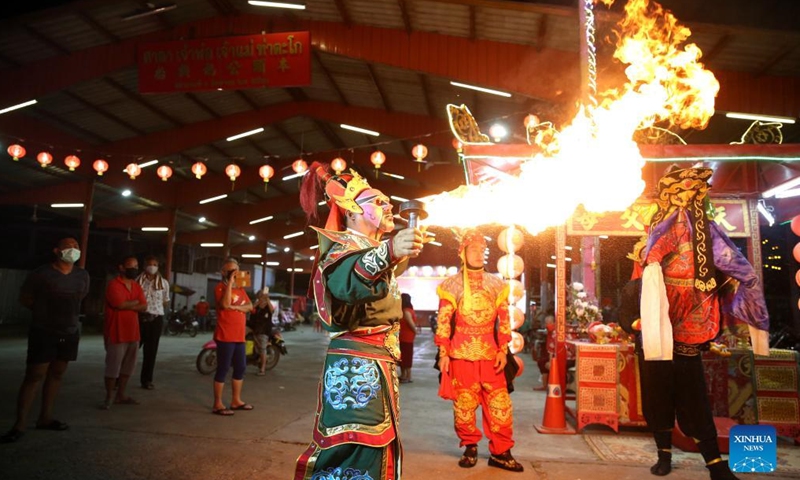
{"type": "Point", "coordinates": [251, 61]}
{"type": "Point", "coordinates": [732, 215]}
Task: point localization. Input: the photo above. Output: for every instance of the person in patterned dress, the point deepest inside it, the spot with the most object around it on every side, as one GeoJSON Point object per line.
{"type": "Point", "coordinates": [472, 349]}
{"type": "Point", "coordinates": [356, 435]}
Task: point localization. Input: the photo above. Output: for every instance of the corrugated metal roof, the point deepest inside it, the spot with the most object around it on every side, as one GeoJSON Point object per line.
{"type": "Point", "coordinates": [444, 18]}
{"type": "Point", "coordinates": [226, 102]}
{"type": "Point", "coordinates": [69, 31]}
{"type": "Point", "coordinates": [507, 25]}
{"type": "Point", "coordinates": [22, 48]}
{"type": "Point", "coordinates": [109, 15]}
{"type": "Point", "coordinates": [376, 13]}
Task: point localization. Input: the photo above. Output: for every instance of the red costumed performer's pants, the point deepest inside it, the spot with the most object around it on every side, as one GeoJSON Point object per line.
{"type": "Point", "coordinates": [476, 383]}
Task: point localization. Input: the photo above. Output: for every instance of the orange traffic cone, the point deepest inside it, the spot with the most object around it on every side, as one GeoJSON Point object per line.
{"type": "Point", "coordinates": [555, 420]}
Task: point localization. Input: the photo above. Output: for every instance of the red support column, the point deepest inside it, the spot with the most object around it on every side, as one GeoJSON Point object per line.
{"type": "Point", "coordinates": [85, 222]}
{"type": "Point", "coordinates": [173, 221]}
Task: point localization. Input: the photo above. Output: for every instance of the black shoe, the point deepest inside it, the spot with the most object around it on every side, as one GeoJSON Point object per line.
{"type": "Point", "coordinates": [11, 436]}
{"type": "Point", "coordinates": [148, 386]}
{"type": "Point", "coordinates": [721, 471]}
{"type": "Point", "coordinates": [470, 457]}
{"type": "Point", "coordinates": [506, 462]}
{"type": "Point", "coordinates": [664, 464]}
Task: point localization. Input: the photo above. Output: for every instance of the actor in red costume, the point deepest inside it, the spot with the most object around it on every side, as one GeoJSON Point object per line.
{"type": "Point", "coordinates": [472, 349]}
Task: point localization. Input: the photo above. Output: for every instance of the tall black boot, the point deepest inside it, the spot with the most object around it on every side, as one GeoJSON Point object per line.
{"type": "Point", "coordinates": [664, 445]}
{"type": "Point", "coordinates": [717, 467]}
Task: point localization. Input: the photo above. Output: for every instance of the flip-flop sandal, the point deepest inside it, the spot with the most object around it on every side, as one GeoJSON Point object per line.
{"type": "Point", "coordinates": [53, 425]}
{"type": "Point", "coordinates": [244, 406]}
{"type": "Point", "coordinates": [222, 411]}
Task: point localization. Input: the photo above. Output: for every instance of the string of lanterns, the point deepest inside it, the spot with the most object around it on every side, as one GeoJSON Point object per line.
{"type": "Point", "coordinates": [510, 266]}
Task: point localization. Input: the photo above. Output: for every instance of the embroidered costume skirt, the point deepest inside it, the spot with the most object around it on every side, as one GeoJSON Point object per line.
{"type": "Point", "coordinates": [355, 432]}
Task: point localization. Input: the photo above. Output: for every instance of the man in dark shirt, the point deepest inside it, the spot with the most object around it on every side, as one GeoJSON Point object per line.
{"type": "Point", "coordinates": [54, 293]}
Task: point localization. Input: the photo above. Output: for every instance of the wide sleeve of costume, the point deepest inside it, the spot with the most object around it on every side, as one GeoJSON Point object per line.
{"type": "Point", "coordinates": [664, 238]}
{"type": "Point", "coordinates": [747, 304]}
{"type": "Point", "coordinates": [361, 276]}
{"type": "Point", "coordinates": [503, 316]}
{"type": "Point", "coordinates": [447, 309]}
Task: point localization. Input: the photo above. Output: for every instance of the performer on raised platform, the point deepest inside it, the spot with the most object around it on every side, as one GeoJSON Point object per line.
{"type": "Point", "coordinates": [353, 282]}
{"type": "Point", "coordinates": [472, 348]}
{"type": "Point", "coordinates": [693, 277]}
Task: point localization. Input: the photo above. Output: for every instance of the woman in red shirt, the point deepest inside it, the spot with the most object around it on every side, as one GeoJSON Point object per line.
{"type": "Point", "coordinates": [408, 331]}
{"type": "Point", "coordinates": [232, 305]}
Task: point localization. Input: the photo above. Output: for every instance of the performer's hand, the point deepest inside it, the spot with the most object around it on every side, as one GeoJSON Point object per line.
{"type": "Point", "coordinates": [499, 362]}
{"type": "Point", "coordinates": [407, 243]}
{"type": "Point", "coordinates": [444, 364]}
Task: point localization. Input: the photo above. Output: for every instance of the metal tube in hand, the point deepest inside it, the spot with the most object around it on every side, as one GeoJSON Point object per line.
{"type": "Point", "coordinates": [413, 211]}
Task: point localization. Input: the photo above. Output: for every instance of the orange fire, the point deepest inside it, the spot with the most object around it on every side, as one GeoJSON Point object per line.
{"type": "Point", "coordinates": [594, 161]}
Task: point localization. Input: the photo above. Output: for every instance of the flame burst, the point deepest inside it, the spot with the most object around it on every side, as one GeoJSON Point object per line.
{"type": "Point", "coordinates": [593, 161]}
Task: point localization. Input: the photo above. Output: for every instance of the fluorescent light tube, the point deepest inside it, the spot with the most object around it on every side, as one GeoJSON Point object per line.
{"type": "Point", "coordinates": [17, 106]}
{"type": "Point", "coordinates": [211, 245]}
{"type": "Point", "coordinates": [294, 175]}
{"type": "Point", "coordinates": [251, 255]}
{"type": "Point", "coordinates": [262, 219]}
{"type": "Point", "coordinates": [480, 89]}
{"type": "Point", "coordinates": [273, 264]}
{"type": "Point", "coordinates": [399, 199]}
{"type": "Point", "coordinates": [393, 175]}
{"type": "Point", "coordinates": [155, 229]}
{"type": "Point", "coordinates": [795, 192]}
{"type": "Point", "coordinates": [245, 134]}
{"type": "Point", "coordinates": [142, 165]}
{"type": "Point", "coordinates": [292, 235]}
{"type": "Point", "coordinates": [359, 130]}
{"type": "Point", "coordinates": [293, 6]}
{"type": "Point", "coordinates": [67, 205]}
{"type": "Point", "coordinates": [214, 199]}
{"type": "Point", "coordinates": [780, 188]}
{"type": "Point", "coordinates": [767, 215]}
{"type": "Point", "coordinates": [763, 118]}
{"type": "Point", "coordinates": [314, 247]}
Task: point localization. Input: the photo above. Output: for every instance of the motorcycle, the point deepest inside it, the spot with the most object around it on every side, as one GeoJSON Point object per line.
{"type": "Point", "coordinates": [207, 358]}
{"type": "Point", "coordinates": [176, 326]}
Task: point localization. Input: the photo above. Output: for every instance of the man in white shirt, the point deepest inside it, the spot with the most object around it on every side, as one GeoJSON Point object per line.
{"type": "Point", "coordinates": [151, 322]}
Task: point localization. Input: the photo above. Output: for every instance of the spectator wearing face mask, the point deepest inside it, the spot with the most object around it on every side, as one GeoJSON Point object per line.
{"type": "Point", "coordinates": [54, 293]}
{"type": "Point", "coordinates": [151, 321]}
{"type": "Point", "coordinates": [124, 301]}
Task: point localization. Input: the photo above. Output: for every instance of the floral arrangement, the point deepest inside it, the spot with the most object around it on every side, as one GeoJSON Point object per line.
{"type": "Point", "coordinates": [580, 309]}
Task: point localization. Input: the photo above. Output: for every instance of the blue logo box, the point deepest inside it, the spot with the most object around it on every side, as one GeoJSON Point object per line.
{"type": "Point", "coordinates": [753, 448]}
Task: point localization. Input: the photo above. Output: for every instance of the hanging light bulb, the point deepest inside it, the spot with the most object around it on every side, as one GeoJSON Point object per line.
{"type": "Point", "coordinates": [133, 170]}
{"type": "Point", "coordinates": [377, 158]}
{"type": "Point", "coordinates": [16, 151]}
{"type": "Point", "coordinates": [100, 166]}
{"type": "Point", "coordinates": [497, 132]}
{"type": "Point", "coordinates": [266, 172]}
{"type": "Point", "coordinates": [44, 158]}
{"type": "Point", "coordinates": [299, 166]}
{"type": "Point", "coordinates": [72, 162]}
{"type": "Point", "coordinates": [338, 165]}
{"type": "Point", "coordinates": [233, 171]}
{"type": "Point", "coordinates": [164, 171]}
{"type": "Point", "coordinates": [199, 169]}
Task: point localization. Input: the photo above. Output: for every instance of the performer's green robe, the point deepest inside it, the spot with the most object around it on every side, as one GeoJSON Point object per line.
{"type": "Point", "coordinates": [355, 433]}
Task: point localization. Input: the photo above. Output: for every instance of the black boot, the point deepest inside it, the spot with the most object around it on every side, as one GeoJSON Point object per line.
{"type": "Point", "coordinates": [470, 457]}
{"type": "Point", "coordinates": [664, 445]}
{"type": "Point", "coordinates": [506, 462]}
{"type": "Point", "coordinates": [664, 464]}
{"type": "Point", "coordinates": [721, 471]}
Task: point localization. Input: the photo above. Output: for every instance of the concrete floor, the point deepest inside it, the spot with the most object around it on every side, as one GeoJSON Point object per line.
{"type": "Point", "coordinates": [172, 434]}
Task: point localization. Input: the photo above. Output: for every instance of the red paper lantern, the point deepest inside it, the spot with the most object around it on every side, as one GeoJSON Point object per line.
{"type": "Point", "coordinates": [199, 169]}
{"type": "Point", "coordinates": [377, 158]}
{"type": "Point", "coordinates": [457, 145]}
{"type": "Point", "coordinates": [44, 158]}
{"type": "Point", "coordinates": [419, 151]}
{"type": "Point", "coordinates": [796, 225]}
{"type": "Point", "coordinates": [531, 121]}
{"type": "Point", "coordinates": [72, 162]}
{"type": "Point", "coordinates": [133, 170]}
{"type": "Point", "coordinates": [516, 343]}
{"type": "Point", "coordinates": [266, 172]}
{"type": "Point", "coordinates": [338, 165]}
{"type": "Point", "coordinates": [164, 171]}
{"type": "Point", "coordinates": [299, 166]}
{"type": "Point", "coordinates": [233, 171]}
{"type": "Point", "coordinates": [100, 166]}
{"type": "Point", "coordinates": [16, 151]}
{"type": "Point", "coordinates": [796, 252]}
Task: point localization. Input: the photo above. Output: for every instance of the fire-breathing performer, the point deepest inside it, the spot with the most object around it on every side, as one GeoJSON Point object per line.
{"type": "Point", "coordinates": [472, 334]}
{"type": "Point", "coordinates": [693, 277]}
{"type": "Point", "coordinates": [353, 282]}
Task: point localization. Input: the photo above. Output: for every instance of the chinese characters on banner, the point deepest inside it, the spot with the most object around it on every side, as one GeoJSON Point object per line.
{"type": "Point", "coordinates": [251, 61]}
{"type": "Point", "coordinates": [731, 215]}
